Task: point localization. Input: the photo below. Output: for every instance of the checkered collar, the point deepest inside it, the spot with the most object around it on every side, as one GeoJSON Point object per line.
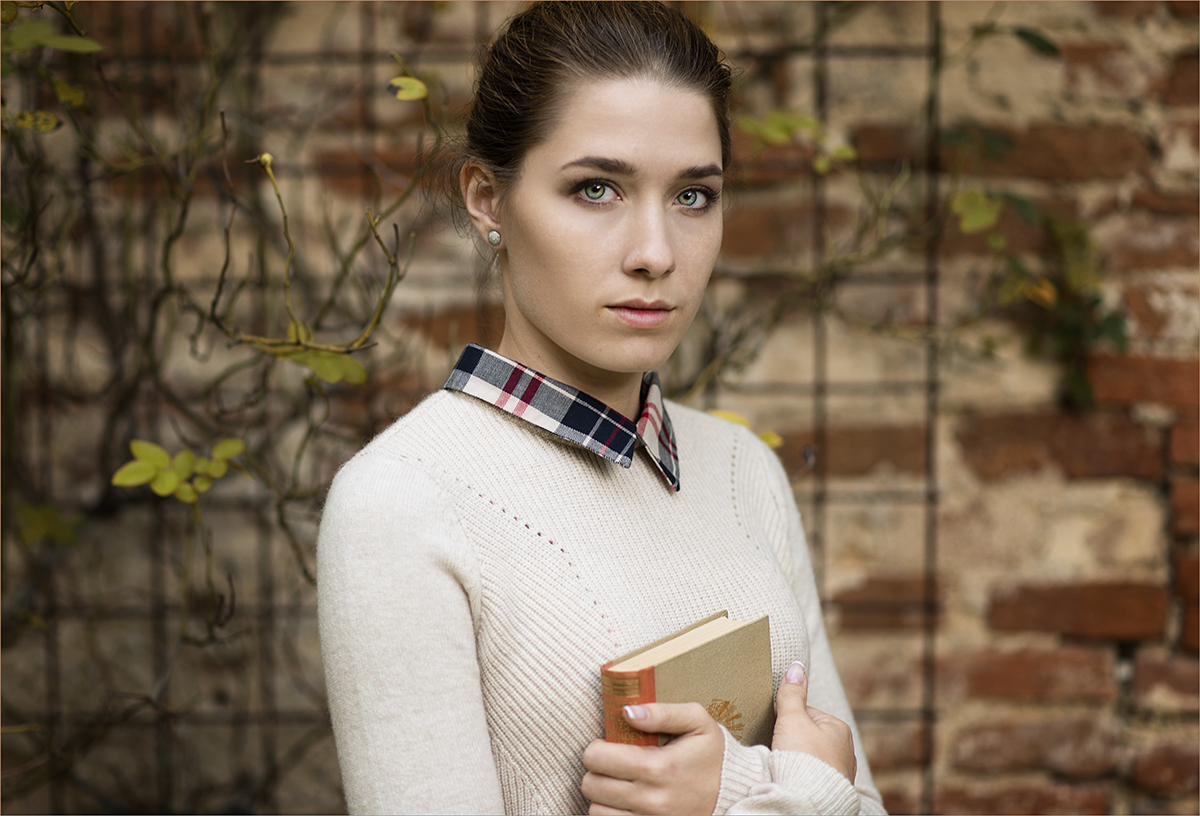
{"type": "Point", "coordinates": [569, 413]}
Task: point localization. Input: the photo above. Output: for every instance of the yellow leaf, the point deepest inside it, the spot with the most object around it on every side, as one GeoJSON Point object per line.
{"type": "Point", "coordinates": [1042, 293]}
{"type": "Point", "coordinates": [186, 493]}
{"type": "Point", "coordinates": [149, 452]}
{"type": "Point", "coordinates": [200, 466]}
{"type": "Point", "coordinates": [226, 449]}
{"type": "Point", "coordinates": [134, 473]}
{"type": "Point", "coordinates": [182, 465]}
{"type": "Point", "coordinates": [218, 468]}
{"type": "Point", "coordinates": [164, 483]}
{"type": "Point", "coordinates": [202, 483]}
{"type": "Point", "coordinates": [408, 88]}
{"type": "Point", "coordinates": [772, 439]}
{"type": "Point", "coordinates": [976, 210]}
{"type": "Point", "coordinates": [68, 94]}
{"type": "Point", "coordinates": [731, 416]}
{"type": "Point", "coordinates": [41, 121]}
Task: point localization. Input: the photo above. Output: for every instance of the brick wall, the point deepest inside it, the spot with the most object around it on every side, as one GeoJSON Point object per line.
{"type": "Point", "coordinates": [1011, 587]}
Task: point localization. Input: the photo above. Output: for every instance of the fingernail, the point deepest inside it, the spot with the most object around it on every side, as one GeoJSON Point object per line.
{"type": "Point", "coordinates": [635, 712]}
{"type": "Point", "coordinates": [795, 673]}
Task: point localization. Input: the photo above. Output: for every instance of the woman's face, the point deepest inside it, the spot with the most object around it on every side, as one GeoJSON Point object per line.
{"type": "Point", "coordinates": [610, 233]}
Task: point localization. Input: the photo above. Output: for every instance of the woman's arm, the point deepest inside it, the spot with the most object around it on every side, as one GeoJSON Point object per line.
{"type": "Point", "coordinates": [397, 589]}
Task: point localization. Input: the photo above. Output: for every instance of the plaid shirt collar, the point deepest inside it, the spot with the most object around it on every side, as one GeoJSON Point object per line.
{"type": "Point", "coordinates": [569, 413]}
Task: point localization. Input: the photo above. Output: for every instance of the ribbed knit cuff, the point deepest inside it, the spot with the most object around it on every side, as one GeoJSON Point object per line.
{"type": "Point", "coordinates": [741, 768]}
{"type": "Point", "coordinates": [829, 791]}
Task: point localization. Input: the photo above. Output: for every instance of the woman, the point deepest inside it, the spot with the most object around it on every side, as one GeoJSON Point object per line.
{"type": "Point", "coordinates": [480, 559]}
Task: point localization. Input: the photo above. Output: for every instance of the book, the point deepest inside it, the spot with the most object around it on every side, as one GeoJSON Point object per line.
{"type": "Point", "coordinates": [722, 664]}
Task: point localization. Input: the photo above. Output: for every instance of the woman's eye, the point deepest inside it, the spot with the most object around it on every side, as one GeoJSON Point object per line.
{"type": "Point", "coordinates": [594, 190]}
{"type": "Point", "coordinates": [692, 198]}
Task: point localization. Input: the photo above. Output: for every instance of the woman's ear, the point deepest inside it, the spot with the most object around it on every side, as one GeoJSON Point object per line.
{"type": "Point", "coordinates": [481, 195]}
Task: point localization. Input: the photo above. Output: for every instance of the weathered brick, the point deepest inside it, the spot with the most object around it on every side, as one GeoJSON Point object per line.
{"type": "Point", "coordinates": [1109, 611]}
{"type": "Point", "coordinates": [1131, 379]}
{"type": "Point", "coordinates": [1187, 577]}
{"type": "Point", "coordinates": [1183, 82]}
{"type": "Point", "coordinates": [1050, 152]}
{"type": "Point", "coordinates": [1148, 321]}
{"type": "Point", "coordinates": [899, 802]}
{"type": "Point", "coordinates": [459, 325]}
{"type": "Point", "coordinates": [1167, 769]}
{"type": "Point", "coordinates": [1125, 9]}
{"type": "Point", "coordinates": [892, 746]}
{"type": "Point", "coordinates": [1185, 439]}
{"type": "Point", "coordinates": [1142, 241]}
{"type": "Point", "coordinates": [1022, 798]}
{"type": "Point", "coordinates": [754, 164]}
{"type": "Point", "coordinates": [1185, 506]}
{"type": "Point", "coordinates": [856, 451]}
{"type": "Point", "coordinates": [143, 29]}
{"type": "Point", "coordinates": [1104, 62]}
{"type": "Point", "coordinates": [886, 602]}
{"type": "Point", "coordinates": [1019, 233]}
{"type": "Point", "coordinates": [1189, 638]}
{"type": "Point", "coordinates": [758, 231]}
{"type": "Point", "coordinates": [1160, 203]}
{"type": "Point", "coordinates": [1080, 747]}
{"type": "Point", "coordinates": [1166, 683]}
{"type": "Point", "coordinates": [1088, 446]}
{"type": "Point", "coordinates": [1068, 673]}
{"type": "Point", "coordinates": [1184, 8]}
{"type": "Point", "coordinates": [347, 171]}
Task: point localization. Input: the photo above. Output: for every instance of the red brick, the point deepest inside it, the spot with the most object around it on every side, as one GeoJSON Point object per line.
{"type": "Point", "coordinates": [1019, 233]}
{"type": "Point", "coordinates": [144, 29]}
{"type": "Point", "coordinates": [1185, 439]}
{"type": "Point", "coordinates": [760, 231]}
{"type": "Point", "coordinates": [1147, 242]}
{"type": "Point", "coordinates": [1148, 320]}
{"type": "Point", "coordinates": [893, 746]}
{"type": "Point", "coordinates": [1183, 83]}
{"type": "Point", "coordinates": [1129, 379]}
{"type": "Point", "coordinates": [1126, 9]}
{"type": "Point", "coordinates": [755, 164]}
{"type": "Point", "coordinates": [1167, 769]}
{"type": "Point", "coordinates": [1189, 638]}
{"type": "Point", "coordinates": [899, 802]}
{"type": "Point", "coordinates": [1159, 203]}
{"type": "Point", "coordinates": [1185, 506]}
{"type": "Point", "coordinates": [1071, 747]}
{"type": "Point", "coordinates": [1165, 682]}
{"type": "Point", "coordinates": [858, 450]}
{"type": "Point", "coordinates": [1184, 8]}
{"type": "Point", "coordinates": [347, 172]}
{"type": "Point", "coordinates": [1068, 673]}
{"type": "Point", "coordinates": [1107, 611]}
{"type": "Point", "coordinates": [459, 325]}
{"type": "Point", "coordinates": [1088, 446]}
{"type": "Point", "coordinates": [885, 603]}
{"type": "Point", "coordinates": [1187, 577]}
{"type": "Point", "coordinates": [1050, 152]}
{"type": "Point", "coordinates": [1022, 798]}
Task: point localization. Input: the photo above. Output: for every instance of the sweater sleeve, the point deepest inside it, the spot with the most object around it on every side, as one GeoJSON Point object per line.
{"type": "Point", "coordinates": [398, 589]}
{"type": "Point", "coordinates": [758, 780]}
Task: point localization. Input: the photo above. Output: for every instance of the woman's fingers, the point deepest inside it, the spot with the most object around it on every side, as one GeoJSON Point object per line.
{"type": "Point", "coordinates": [800, 727]}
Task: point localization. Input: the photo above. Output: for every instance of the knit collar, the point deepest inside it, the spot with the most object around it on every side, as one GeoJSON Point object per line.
{"type": "Point", "coordinates": [567, 412]}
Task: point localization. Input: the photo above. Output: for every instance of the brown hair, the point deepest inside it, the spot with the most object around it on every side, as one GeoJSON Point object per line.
{"type": "Point", "coordinates": [526, 75]}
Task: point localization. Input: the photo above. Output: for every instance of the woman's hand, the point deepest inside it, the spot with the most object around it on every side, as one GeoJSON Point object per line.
{"type": "Point", "coordinates": [799, 727]}
{"type": "Point", "coordinates": [681, 777]}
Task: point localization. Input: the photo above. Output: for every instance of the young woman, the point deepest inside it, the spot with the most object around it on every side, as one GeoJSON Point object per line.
{"type": "Point", "coordinates": [547, 510]}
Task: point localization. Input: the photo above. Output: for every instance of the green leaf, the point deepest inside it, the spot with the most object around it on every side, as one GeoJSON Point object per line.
{"type": "Point", "coordinates": [299, 334]}
{"type": "Point", "coordinates": [1036, 40]}
{"type": "Point", "coordinates": [186, 493]}
{"type": "Point", "coordinates": [997, 242]}
{"type": "Point", "coordinates": [41, 121]}
{"type": "Point", "coordinates": [27, 34]}
{"type": "Point", "coordinates": [845, 153]}
{"type": "Point", "coordinates": [8, 12]}
{"type": "Point", "coordinates": [1024, 208]}
{"type": "Point", "coordinates": [68, 94]}
{"type": "Point", "coordinates": [200, 466]}
{"type": "Point", "coordinates": [71, 42]}
{"type": "Point", "coordinates": [976, 210]}
{"type": "Point", "coordinates": [10, 213]}
{"type": "Point", "coordinates": [41, 522]}
{"type": "Point", "coordinates": [995, 144]}
{"type": "Point", "coordinates": [822, 164]}
{"type": "Point", "coordinates": [354, 372]}
{"type": "Point", "coordinates": [134, 473]}
{"type": "Point", "coordinates": [149, 452]}
{"type": "Point", "coordinates": [218, 468]}
{"type": "Point", "coordinates": [202, 483]}
{"type": "Point", "coordinates": [408, 88]}
{"type": "Point", "coordinates": [326, 366]}
{"type": "Point", "coordinates": [6, 67]}
{"type": "Point", "coordinates": [182, 464]}
{"type": "Point", "coordinates": [226, 449]}
{"type": "Point", "coordinates": [164, 482]}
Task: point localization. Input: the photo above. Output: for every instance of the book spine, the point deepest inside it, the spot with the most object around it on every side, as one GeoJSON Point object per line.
{"type": "Point", "coordinates": [618, 690]}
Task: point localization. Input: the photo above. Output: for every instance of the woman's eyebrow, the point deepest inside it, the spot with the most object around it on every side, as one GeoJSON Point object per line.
{"type": "Point", "coordinates": [622, 167]}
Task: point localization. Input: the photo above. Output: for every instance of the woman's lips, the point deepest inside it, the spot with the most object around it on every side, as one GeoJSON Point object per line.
{"type": "Point", "coordinates": [642, 315]}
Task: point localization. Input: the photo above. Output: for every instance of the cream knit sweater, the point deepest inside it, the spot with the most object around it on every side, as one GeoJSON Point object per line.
{"type": "Point", "coordinates": [475, 572]}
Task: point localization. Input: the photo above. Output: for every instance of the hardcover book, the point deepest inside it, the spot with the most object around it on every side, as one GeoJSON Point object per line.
{"type": "Point", "coordinates": [722, 664]}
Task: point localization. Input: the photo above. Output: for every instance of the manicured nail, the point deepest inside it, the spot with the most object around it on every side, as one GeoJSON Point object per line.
{"type": "Point", "coordinates": [795, 673]}
{"type": "Point", "coordinates": [635, 712]}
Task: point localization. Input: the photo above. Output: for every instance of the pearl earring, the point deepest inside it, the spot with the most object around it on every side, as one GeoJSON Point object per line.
{"type": "Point", "coordinates": [493, 238]}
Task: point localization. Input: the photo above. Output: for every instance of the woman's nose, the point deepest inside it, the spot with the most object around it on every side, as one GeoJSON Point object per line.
{"type": "Point", "coordinates": [650, 251]}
